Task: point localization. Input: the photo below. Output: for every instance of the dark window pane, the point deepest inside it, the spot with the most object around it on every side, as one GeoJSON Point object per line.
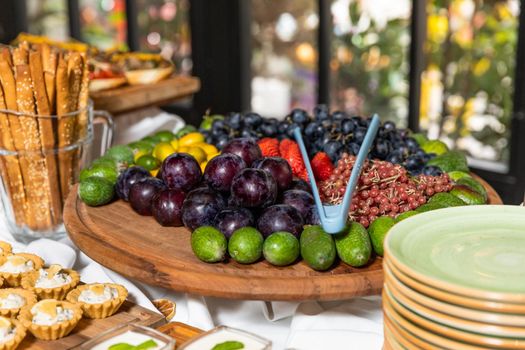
{"type": "Point", "coordinates": [467, 86]}
{"type": "Point", "coordinates": [48, 17]}
{"type": "Point", "coordinates": [164, 27]}
{"type": "Point", "coordinates": [284, 57]}
{"type": "Point", "coordinates": [370, 57]}
{"type": "Point", "coordinates": [103, 23]}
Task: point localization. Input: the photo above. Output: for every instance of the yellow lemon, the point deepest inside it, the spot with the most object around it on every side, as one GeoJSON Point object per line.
{"type": "Point", "coordinates": [191, 138]}
{"type": "Point", "coordinates": [175, 144]}
{"type": "Point", "coordinates": [162, 150]}
{"type": "Point", "coordinates": [197, 153]}
{"type": "Point", "coordinates": [211, 156]}
{"type": "Point", "coordinates": [183, 149]}
{"type": "Point", "coordinates": [206, 147]}
{"type": "Point", "coordinates": [154, 172]}
{"type": "Point", "coordinates": [203, 166]}
{"type": "Point", "coordinates": [140, 153]}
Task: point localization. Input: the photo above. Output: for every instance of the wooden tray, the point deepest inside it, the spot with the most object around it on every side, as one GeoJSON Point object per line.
{"type": "Point", "coordinates": [180, 332]}
{"type": "Point", "coordinates": [131, 97]}
{"type": "Point", "coordinates": [87, 329]}
{"type": "Point", "coordinates": [138, 247]}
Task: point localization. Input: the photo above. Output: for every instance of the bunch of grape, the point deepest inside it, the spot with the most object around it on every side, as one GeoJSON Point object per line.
{"type": "Point", "coordinates": [383, 189]}
{"type": "Point", "coordinates": [334, 133]}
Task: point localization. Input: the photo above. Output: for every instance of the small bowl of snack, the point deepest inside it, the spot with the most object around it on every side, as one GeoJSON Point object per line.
{"type": "Point", "coordinates": [130, 336]}
{"type": "Point", "coordinates": [222, 338]}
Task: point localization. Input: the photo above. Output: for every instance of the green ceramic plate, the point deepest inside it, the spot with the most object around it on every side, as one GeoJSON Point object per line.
{"type": "Point", "coordinates": [477, 251]}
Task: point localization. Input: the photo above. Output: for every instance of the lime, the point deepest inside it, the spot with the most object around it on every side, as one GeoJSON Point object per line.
{"type": "Point", "coordinates": [245, 245]}
{"type": "Point", "coordinates": [104, 161]}
{"type": "Point", "coordinates": [148, 162]}
{"type": "Point", "coordinates": [281, 248]}
{"type": "Point", "coordinates": [152, 141]}
{"type": "Point", "coordinates": [420, 138]}
{"type": "Point", "coordinates": [142, 145]}
{"type": "Point", "coordinates": [229, 345]}
{"type": "Point", "coordinates": [435, 146]}
{"type": "Point", "coordinates": [406, 215]}
{"type": "Point", "coordinates": [122, 154]}
{"type": "Point", "coordinates": [164, 135]}
{"type": "Point", "coordinates": [208, 244]}
{"type": "Point", "coordinates": [162, 150]}
{"type": "Point", "coordinates": [185, 130]}
{"type": "Point", "coordinates": [197, 153]}
{"type": "Point", "coordinates": [95, 191]}
{"type": "Point", "coordinates": [353, 245]}
{"type": "Point", "coordinates": [191, 138]}
{"type": "Point", "coordinates": [317, 248]}
{"type": "Point", "coordinates": [456, 175]}
{"type": "Point", "coordinates": [208, 120]}
{"type": "Point", "coordinates": [378, 230]}
{"type": "Point", "coordinates": [107, 172]}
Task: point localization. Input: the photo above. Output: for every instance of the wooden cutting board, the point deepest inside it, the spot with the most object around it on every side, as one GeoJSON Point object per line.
{"type": "Point", "coordinates": [87, 329]}
{"type": "Point", "coordinates": [130, 97]}
{"type": "Point", "coordinates": [138, 247]}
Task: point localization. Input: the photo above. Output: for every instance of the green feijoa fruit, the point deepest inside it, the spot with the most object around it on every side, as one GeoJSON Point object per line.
{"type": "Point", "coordinates": [405, 215]}
{"type": "Point", "coordinates": [467, 195]}
{"type": "Point", "coordinates": [107, 172]}
{"type": "Point", "coordinates": [378, 230]}
{"type": "Point", "coordinates": [353, 245]}
{"type": "Point", "coordinates": [446, 199]}
{"type": "Point", "coordinates": [104, 161]}
{"type": "Point", "coordinates": [456, 175]}
{"type": "Point", "coordinates": [431, 206]}
{"type": "Point", "coordinates": [475, 185]}
{"type": "Point", "coordinates": [450, 161]}
{"type": "Point", "coordinates": [96, 191]}
{"type": "Point", "coordinates": [208, 244]}
{"type": "Point", "coordinates": [281, 248]}
{"type": "Point", "coordinates": [122, 154]}
{"type": "Point", "coordinates": [317, 248]}
{"type": "Point", "coordinates": [246, 245]}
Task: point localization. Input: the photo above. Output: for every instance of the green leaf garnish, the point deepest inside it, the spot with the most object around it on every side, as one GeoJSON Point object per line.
{"type": "Point", "coordinates": [148, 344]}
{"type": "Point", "coordinates": [229, 345]}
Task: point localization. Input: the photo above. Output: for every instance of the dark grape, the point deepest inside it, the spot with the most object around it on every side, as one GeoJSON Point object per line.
{"type": "Point", "coordinates": [180, 171]}
{"type": "Point", "coordinates": [200, 207]}
{"type": "Point", "coordinates": [279, 169]}
{"type": "Point", "coordinates": [431, 170]}
{"type": "Point", "coordinates": [141, 194]}
{"type": "Point", "coordinates": [300, 184]}
{"type": "Point", "coordinates": [167, 207]}
{"type": "Point", "coordinates": [220, 171]}
{"type": "Point", "coordinates": [332, 148]}
{"type": "Point", "coordinates": [253, 188]}
{"type": "Point", "coordinates": [299, 116]}
{"type": "Point", "coordinates": [299, 199]}
{"type": "Point", "coordinates": [312, 216]}
{"type": "Point", "coordinates": [280, 217]}
{"type": "Point", "coordinates": [127, 178]}
{"type": "Point", "coordinates": [229, 220]}
{"type": "Point", "coordinates": [245, 148]}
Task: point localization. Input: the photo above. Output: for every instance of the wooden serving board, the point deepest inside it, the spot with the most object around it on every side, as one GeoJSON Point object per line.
{"type": "Point", "coordinates": [138, 247]}
{"type": "Point", "coordinates": [87, 329]}
{"type": "Point", "coordinates": [180, 332]}
{"type": "Point", "coordinates": [130, 97]}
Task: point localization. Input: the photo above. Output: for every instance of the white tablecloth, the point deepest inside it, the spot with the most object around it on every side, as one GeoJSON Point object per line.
{"type": "Point", "coordinates": [352, 324]}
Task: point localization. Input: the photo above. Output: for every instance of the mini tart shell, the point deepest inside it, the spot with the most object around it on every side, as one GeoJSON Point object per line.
{"type": "Point", "coordinates": [101, 310]}
{"type": "Point", "coordinates": [59, 293]}
{"type": "Point", "coordinates": [15, 279]}
{"type": "Point", "coordinates": [7, 249]}
{"type": "Point", "coordinates": [28, 295]}
{"type": "Point", "coordinates": [20, 333]}
{"type": "Point", "coordinates": [53, 332]}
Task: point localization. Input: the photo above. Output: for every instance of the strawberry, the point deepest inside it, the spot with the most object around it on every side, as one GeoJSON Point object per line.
{"type": "Point", "coordinates": [290, 151]}
{"type": "Point", "coordinates": [322, 166]}
{"type": "Point", "coordinates": [269, 147]}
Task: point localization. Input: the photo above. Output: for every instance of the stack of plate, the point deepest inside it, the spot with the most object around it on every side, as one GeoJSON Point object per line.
{"type": "Point", "coordinates": [455, 279]}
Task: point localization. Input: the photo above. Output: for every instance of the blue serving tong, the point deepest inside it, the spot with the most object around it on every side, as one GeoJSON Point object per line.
{"type": "Point", "coordinates": [333, 217]}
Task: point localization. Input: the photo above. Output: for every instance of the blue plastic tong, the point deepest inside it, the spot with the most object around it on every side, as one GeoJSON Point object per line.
{"type": "Point", "coordinates": [333, 217]}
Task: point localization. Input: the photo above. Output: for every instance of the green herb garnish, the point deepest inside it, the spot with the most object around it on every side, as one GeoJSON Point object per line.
{"type": "Point", "coordinates": [148, 344]}
{"type": "Point", "coordinates": [229, 345]}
